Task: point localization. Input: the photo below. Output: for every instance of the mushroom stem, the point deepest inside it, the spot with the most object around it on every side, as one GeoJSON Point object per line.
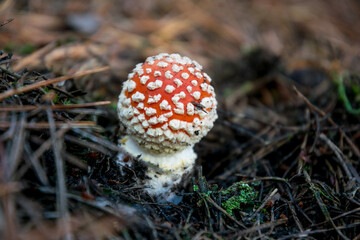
{"type": "Point", "coordinates": [165, 170]}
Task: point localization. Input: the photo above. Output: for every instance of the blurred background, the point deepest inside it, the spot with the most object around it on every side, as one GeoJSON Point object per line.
{"type": "Point", "coordinates": [234, 40]}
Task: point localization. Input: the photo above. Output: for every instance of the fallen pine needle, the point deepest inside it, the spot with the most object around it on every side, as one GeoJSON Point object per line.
{"type": "Point", "coordinates": [43, 83]}
{"type": "Point", "coordinates": [19, 108]}
{"type": "Point", "coordinates": [45, 125]}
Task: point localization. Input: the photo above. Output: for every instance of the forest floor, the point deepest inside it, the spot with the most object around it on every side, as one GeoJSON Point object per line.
{"type": "Point", "coordinates": [282, 161]}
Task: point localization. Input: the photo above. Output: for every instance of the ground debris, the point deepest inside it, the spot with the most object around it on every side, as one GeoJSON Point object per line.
{"type": "Point", "coordinates": [282, 161]}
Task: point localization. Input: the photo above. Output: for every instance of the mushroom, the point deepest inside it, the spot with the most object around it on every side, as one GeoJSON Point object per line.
{"type": "Point", "coordinates": [167, 105]}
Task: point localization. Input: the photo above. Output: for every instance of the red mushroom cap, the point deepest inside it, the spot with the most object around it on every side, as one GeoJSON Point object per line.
{"type": "Point", "coordinates": [167, 103]}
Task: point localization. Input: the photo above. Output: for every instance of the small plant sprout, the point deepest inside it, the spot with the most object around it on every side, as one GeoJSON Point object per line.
{"type": "Point", "coordinates": [167, 105]}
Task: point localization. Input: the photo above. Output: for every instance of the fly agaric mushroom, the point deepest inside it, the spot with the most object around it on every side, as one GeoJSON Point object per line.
{"type": "Point", "coordinates": [167, 105]}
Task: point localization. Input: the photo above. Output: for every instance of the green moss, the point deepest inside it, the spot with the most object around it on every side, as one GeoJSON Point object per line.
{"type": "Point", "coordinates": [26, 49]}
{"type": "Point", "coordinates": [22, 49]}
{"type": "Point", "coordinates": [242, 194]}
{"type": "Point", "coordinates": [9, 47]}
{"type": "Point", "coordinates": [236, 187]}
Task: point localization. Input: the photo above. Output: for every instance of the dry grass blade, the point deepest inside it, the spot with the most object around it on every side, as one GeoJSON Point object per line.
{"type": "Point", "coordinates": [6, 22]}
{"type": "Point", "coordinates": [15, 75]}
{"type": "Point", "coordinates": [105, 143]}
{"type": "Point", "coordinates": [40, 172]}
{"type": "Point", "coordinates": [208, 199]}
{"type": "Point", "coordinates": [43, 83]}
{"type": "Point", "coordinates": [17, 147]}
{"type": "Point", "coordinates": [88, 144]}
{"type": "Point", "coordinates": [340, 156]}
{"type": "Point", "coordinates": [262, 226]}
{"type": "Point", "coordinates": [322, 205]}
{"type": "Point", "coordinates": [47, 144]}
{"type": "Point", "coordinates": [265, 201]}
{"type": "Point", "coordinates": [306, 233]}
{"type": "Point", "coordinates": [45, 125]}
{"type": "Point", "coordinates": [323, 114]}
{"type": "Point", "coordinates": [53, 107]}
{"type": "Point", "coordinates": [75, 161]}
{"type": "Point", "coordinates": [9, 188]}
{"type": "Point", "coordinates": [63, 221]}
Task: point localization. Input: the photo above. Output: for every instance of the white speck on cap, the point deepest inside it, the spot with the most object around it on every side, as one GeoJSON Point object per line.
{"type": "Point", "coordinates": [131, 75]}
{"type": "Point", "coordinates": [196, 95]}
{"type": "Point", "coordinates": [127, 102]}
{"type": "Point", "coordinates": [169, 134]}
{"type": "Point", "coordinates": [161, 56]}
{"type": "Point", "coordinates": [207, 102]}
{"type": "Point", "coordinates": [165, 126]}
{"type": "Point", "coordinates": [131, 86]}
{"type": "Point", "coordinates": [136, 112]}
{"type": "Point", "coordinates": [182, 137]}
{"type": "Point", "coordinates": [207, 77]}
{"type": "Point", "coordinates": [204, 86]}
{"type": "Point", "coordinates": [168, 75]}
{"type": "Point", "coordinates": [157, 74]}
{"type": "Point", "coordinates": [179, 111]}
{"type": "Point", "coordinates": [185, 75]}
{"type": "Point", "coordinates": [178, 82]}
{"type": "Point", "coordinates": [145, 124]}
{"type": "Point", "coordinates": [150, 61]}
{"type": "Point", "coordinates": [158, 132]}
{"type": "Point", "coordinates": [140, 105]}
{"type": "Point", "coordinates": [176, 68]}
{"type": "Point", "coordinates": [138, 97]}
{"type": "Point", "coordinates": [210, 89]}
{"type": "Point", "coordinates": [141, 117]}
{"type": "Point", "coordinates": [127, 113]}
{"type": "Point", "coordinates": [183, 125]}
{"type": "Point", "coordinates": [164, 105]}
{"type": "Point", "coordinates": [174, 124]}
{"type": "Point", "coordinates": [198, 75]}
{"type": "Point", "coordinates": [144, 79]}
{"type": "Point", "coordinates": [150, 111]}
{"type": "Point", "coordinates": [194, 82]}
{"type": "Point", "coordinates": [153, 120]}
{"type": "Point", "coordinates": [169, 88]}
{"type": "Point", "coordinates": [182, 94]}
{"type": "Point", "coordinates": [175, 99]}
{"type": "Point", "coordinates": [162, 119]}
{"type": "Point", "coordinates": [134, 120]}
{"type": "Point", "coordinates": [196, 122]}
{"type": "Point", "coordinates": [168, 114]}
{"type": "Point", "coordinates": [154, 99]}
{"type": "Point", "coordinates": [179, 105]}
{"type": "Point", "coordinates": [151, 132]}
{"type": "Point", "coordinates": [138, 128]}
{"type": "Point", "coordinates": [162, 64]}
{"type": "Point", "coordinates": [139, 70]}
{"type": "Point", "coordinates": [190, 109]}
{"type": "Point", "coordinates": [155, 85]}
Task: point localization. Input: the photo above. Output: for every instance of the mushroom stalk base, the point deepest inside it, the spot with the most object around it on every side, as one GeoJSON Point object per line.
{"type": "Point", "coordinates": [165, 170]}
